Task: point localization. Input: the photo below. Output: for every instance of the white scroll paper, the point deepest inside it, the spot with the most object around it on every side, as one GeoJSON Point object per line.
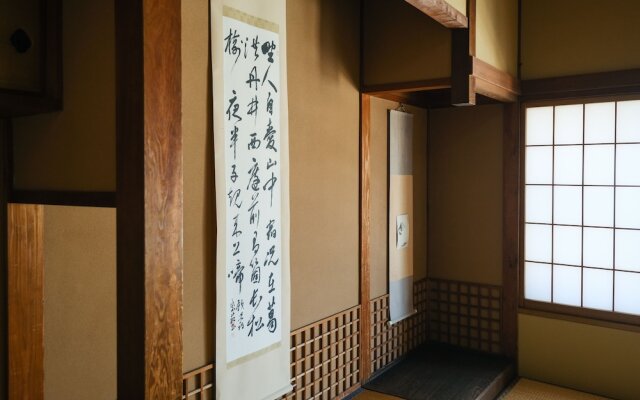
{"type": "Point", "coordinates": [251, 151]}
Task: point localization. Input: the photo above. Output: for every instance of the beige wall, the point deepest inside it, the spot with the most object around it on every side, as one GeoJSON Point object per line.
{"type": "Point", "coordinates": [402, 44]}
{"type": "Point", "coordinates": [572, 37]}
{"type": "Point", "coordinates": [460, 5]}
{"type": "Point", "coordinates": [79, 303]}
{"type": "Point", "coordinates": [379, 212]}
{"type": "Point", "coordinates": [323, 40]}
{"type": "Point", "coordinates": [465, 194]}
{"type": "Point", "coordinates": [497, 34]}
{"type": "Point", "coordinates": [75, 149]}
{"type": "Point", "coordinates": [199, 201]}
{"type": "Point", "coordinates": [594, 359]}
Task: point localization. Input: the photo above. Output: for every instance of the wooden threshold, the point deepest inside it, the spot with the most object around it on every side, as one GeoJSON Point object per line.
{"type": "Point", "coordinates": [442, 12]}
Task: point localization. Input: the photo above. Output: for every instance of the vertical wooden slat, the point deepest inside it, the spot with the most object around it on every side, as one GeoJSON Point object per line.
{"type": "Point", "coordinates": [149, 199]}
{"type": "Point", "coordinates": [5, 182]}
{"type": "Point", "coordinates": [365, 231]}
{"type": "Point", "coordinates": [25, 301]}
{"type": "Point", "coordinates": [510, 227]}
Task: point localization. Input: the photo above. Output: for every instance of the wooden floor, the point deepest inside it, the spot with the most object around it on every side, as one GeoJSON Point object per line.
{"type": "Point", "coordinates": [440, 372]}
{"type": "Point", "coordinates": [527, 389]}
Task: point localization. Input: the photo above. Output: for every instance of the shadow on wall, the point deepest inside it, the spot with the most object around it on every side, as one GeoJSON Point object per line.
{"type": "Point", "coordinates": [337, 39]}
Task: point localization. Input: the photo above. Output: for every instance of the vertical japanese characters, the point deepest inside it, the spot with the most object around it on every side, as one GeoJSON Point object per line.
{"type": "Point", "coordinates": [251, 66]}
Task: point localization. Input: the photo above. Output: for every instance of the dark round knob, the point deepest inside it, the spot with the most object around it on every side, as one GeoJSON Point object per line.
{"type": "Point", "coordinates": [20, 41]}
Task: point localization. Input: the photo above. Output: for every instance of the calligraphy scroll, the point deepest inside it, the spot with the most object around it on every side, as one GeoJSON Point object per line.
{"type": "Point", "coordinates": [251, 161]}
{"type": "Point", "coordinates": [400, 216]}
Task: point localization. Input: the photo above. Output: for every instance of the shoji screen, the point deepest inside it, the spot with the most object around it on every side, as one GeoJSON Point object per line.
{"type": "Point", "coordinates": [582, 205]}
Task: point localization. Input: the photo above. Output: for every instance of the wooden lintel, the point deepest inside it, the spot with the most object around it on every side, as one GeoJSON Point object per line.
{"type": "Point", "coordinates": [64, 198]}
{"type": "Point", "coordinates": [25, 284]}
{"type": "Point", "coordinates": [586, 85]}
{"type": "Point", "coordinates": [365, 232]}
{"type": "Point", "coordinates": [407, 87]}
{"type": "Point", "coordinates": [494, 83]}
{"type": "Point", "coordinates": [441, 12]}
{"type": "Point", "coordinates": [149, 199]}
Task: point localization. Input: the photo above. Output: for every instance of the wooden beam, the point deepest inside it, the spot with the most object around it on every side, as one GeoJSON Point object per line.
{"type": "Point", "coordinates": [365, 241]}
{"type": "Point", "coordinates": [510, 228]}
{"type": "Point", "coordinates": [25, 282]}
{"type": "Point", "coordinates": [5, 149]}
{"type": "Point", "coordinates": [149, 199]}
{"type": "Point", "coordinates": [491, 82]}
{"type": "Point", "coordinates": [586, 85]}
{"type": "Point", "coordinates": [441, 12]}
{"type": "Point", "coordinates": [64, 198]}
{"type": "Point", "coordinates": [407, 87]}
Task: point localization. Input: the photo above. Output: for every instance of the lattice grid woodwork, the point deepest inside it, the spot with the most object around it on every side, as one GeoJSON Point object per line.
{"type": "Point", "coordinates": [465, 314]}
{"type": "Point", "coordinates": [390, 342]}
{"type": "Point", "coordinates": [325, 357]}
{"type": "Point", "coordinates": [198, 384]}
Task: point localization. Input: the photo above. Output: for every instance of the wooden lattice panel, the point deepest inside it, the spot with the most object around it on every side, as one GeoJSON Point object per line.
{"type": "Point", "coordinates": [390, 342]}
{"type": "Point", "coordinates": [465, 314]}
{"type": "Point", "coordinates": [198, 384]}
{"type": "Point", "coordinates": [325, 357]}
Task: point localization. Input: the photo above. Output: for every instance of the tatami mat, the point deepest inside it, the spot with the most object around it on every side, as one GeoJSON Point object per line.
{"type": "Point", "coordinates": [369, 395]}
{"type": "Point", "coordinates": [527, 389]}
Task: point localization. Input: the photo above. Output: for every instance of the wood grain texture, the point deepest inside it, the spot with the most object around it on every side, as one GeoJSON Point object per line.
{"type": "Point", "coordinates": [586, 85]}
{"type": "Point", "coordinates": [510, 227]}
{"type": "Point", "coordinates": [19, 103]}
{"type": "Point", "coordinates": [365, 232]}
{"type": "Point", "coordinates": [442, 12]}
{"type": "Point", "coordinates": [149, 198]}
{"type": "Point", "coordinates": [5, 183]}
{"type": "Point", "coordinates": [494, 83]}
{"type": "Point", "coordinates": [26, 301]}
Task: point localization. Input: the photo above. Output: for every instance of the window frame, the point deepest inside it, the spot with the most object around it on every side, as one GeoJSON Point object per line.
{"type": "Point", "coordinates": [548, 307]}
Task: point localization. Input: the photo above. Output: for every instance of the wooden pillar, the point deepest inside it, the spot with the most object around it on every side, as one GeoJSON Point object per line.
{"type": "Point", "coordinates": [4, 196]}
{"type": "Point", "coordinates": [25, 282]}
{"type": "Point", "coordinates": [365, 231]}
{"type": "Point", "coordinates": [463, 49]}
{"type": "Point", "coordinates": [149, 199]}
{"type": "Point", "coordinates": [510, 228]}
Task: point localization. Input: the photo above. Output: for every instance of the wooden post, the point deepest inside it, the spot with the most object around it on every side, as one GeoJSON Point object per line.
{"type": "Point", "coordinates": [25, 282]}
{"type": "Point", "coordinates": [4, 196]}
{"type": "Point", "coordinates": [510, 228]}
{"type": "Point", "coordinates": [149, 199]}
{"type": "Point", "coordinates": [365, 230]}
{"type": "Point", "coordinates": [463, 49]}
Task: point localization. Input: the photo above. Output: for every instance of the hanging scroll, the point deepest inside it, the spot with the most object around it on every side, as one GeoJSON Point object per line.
{"type": "Point", "coordinates": [251, 150]}
{"type": "Point", "coordinates": [400, 216]}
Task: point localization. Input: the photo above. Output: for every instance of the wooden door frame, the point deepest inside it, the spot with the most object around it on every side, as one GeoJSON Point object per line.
{"type": "Point", "coordinates": [149, 199]}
